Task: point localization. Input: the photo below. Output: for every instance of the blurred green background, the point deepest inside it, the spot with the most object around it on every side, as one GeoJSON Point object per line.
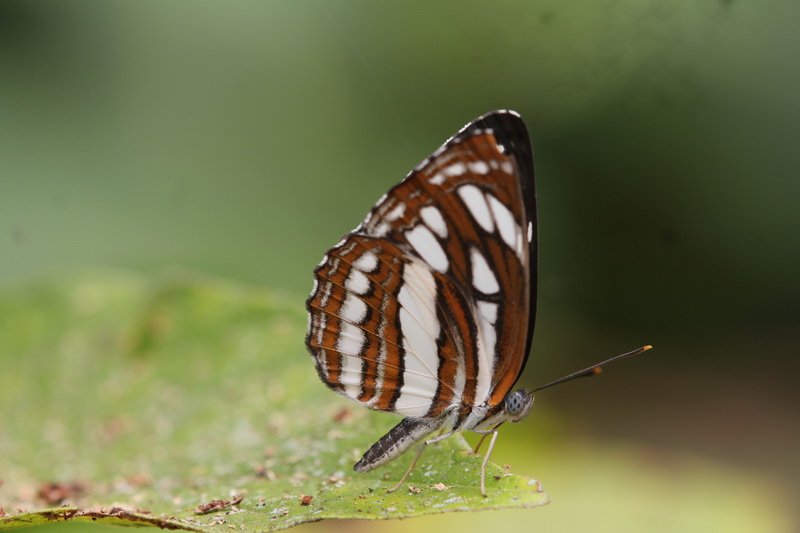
{"type": "Point", "coordinates": [243, 139]}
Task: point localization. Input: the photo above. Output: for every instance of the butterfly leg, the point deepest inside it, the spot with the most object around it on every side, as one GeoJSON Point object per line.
{"type": "Point", "coordinates": [478, 446]}
{"type": "Point", "coordinates": [439, 437]}
{"type": "Point", "coordinates": [486, 461]}
{"type": "Point", "coordinates": [419, 454]}
{"type": "Point", "coordinates": [409, 469]}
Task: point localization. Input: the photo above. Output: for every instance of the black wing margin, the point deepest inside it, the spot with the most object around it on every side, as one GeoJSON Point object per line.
{"type": "Point", "coordinates": [510, 131]}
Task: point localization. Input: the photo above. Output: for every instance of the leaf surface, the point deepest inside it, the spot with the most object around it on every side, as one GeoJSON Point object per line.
{"type": "Point", "coordinates": [141, 402]}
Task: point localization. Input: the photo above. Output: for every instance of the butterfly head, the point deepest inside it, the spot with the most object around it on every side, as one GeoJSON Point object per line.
{"type": "Point", "coordinates": [517, 405]}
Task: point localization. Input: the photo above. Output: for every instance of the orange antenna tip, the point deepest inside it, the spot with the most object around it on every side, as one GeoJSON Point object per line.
{"type": "Point", "coordinates": [647, 347]}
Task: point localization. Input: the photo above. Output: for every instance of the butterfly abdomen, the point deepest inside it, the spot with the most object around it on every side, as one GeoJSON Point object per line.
{"type": "Point", "coordinates": [400, 438]}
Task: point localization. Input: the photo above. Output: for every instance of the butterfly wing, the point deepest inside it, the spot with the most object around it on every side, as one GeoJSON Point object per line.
{"type": "Point", "coordinates": [429, 302]}
{"type": "Point", "coordinates": [375, 327]}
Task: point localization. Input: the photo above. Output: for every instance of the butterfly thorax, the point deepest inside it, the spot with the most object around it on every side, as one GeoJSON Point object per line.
{"type": "Point", "coordinates": [514, 408]}
{"type": "Point", "coordinates": [478, 416]}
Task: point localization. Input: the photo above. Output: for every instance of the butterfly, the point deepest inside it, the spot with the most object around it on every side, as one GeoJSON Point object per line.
{"type": "Point", "coordinates": [427, 308]}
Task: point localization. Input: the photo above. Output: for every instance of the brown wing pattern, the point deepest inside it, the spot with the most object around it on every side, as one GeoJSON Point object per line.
{"type": "Point", "coordinates": [429, 302]}
{"type": "Point", "coordinates": [374, 328]}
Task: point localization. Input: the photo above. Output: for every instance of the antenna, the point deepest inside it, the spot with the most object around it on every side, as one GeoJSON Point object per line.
{"type": "Point", "coordinates": [592, 370]}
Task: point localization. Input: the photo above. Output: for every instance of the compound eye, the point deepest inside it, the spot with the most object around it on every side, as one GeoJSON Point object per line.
{"type": "Point", "coordinates": [514, 404]}
{"type": "Point", "coordinates": [517, 405]}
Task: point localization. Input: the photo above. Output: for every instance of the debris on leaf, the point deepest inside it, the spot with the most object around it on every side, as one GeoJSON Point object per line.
{"type": "Point", "coordinates": [343, 415]}
{"type": "Point", "coordinates": [506, 472]}
{"type": "Point", "coordinates": [440, 487]}
{"type": "Point", "coordinates": [263, 472]}
{"type": "Point", "coordinates": [536, 484]}
{"type": "Point", "coordinates": [337, 480]}
{"type": "Point", "coordinates": [279, 512]}
{"type": "Point", "coordinates": [54, 493]}
{"type": "Point", "coordinates": [138, 480]}
{"type": "Point", "coordinates": [414, 490]}
{"type": "Point", "coordinates": [218, 505]}
{"type": "Point", "coordinates": [305, 499]}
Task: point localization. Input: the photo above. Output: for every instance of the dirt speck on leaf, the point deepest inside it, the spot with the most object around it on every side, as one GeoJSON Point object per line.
{"type": "Point", "coordinates": [278, 512]}
{"type": "Point", "coordinates": [218, 505]}
{"type": "Point", "coordinates": [261, 471]}
{"type": "Point", "coordinates": [305, 499]}
{"type": "Point", "coordinates": [54, 493]}
{"type": "Point", "coordinates": [139, 480]}
{"type": "Point", "coordinates": [343, 415]}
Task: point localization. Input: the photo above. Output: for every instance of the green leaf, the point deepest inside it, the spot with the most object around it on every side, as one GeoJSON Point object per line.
{"type": "Point", "coordinates": [134, 401]}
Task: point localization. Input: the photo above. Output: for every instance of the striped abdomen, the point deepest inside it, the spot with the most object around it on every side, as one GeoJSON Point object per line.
{"type": "Point", "coordinates": [400, 438]}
